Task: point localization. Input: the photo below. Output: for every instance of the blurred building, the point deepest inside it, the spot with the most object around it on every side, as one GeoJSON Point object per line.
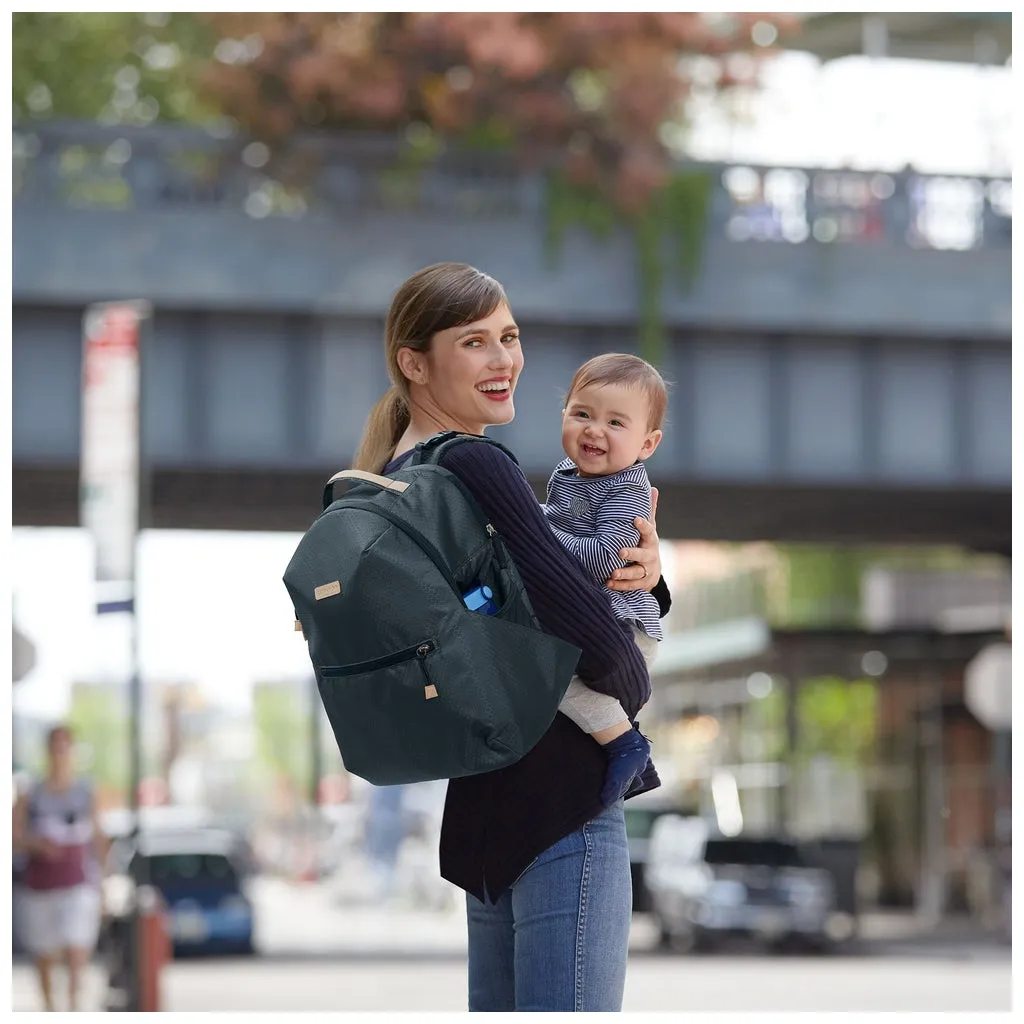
{"type": "Point", "coordinates": [963, 36]}
{"type": "Point", "coordinates": [844, 719]}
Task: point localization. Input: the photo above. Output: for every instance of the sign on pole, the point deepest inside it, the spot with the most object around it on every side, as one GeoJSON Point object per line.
{"type": "Point", "coordinates": [110, 445]}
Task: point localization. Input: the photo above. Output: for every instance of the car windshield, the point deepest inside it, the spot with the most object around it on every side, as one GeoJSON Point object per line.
{"type": "Point", "coordinates": [196, 868]}
{"type": "Point", "coordinates": [753, 852]}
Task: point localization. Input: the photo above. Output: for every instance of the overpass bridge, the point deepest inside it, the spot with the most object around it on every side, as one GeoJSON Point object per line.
{"type": "Point", "coordinates": [841, 363]}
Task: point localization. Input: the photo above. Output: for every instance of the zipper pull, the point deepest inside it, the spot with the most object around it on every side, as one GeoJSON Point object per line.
{"type": "Point", "coordinates": [491, 531]}
{"type": "Point", "coordinates": [424, 649]}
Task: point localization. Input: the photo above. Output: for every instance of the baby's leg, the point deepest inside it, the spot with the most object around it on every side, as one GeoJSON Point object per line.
{"type": "Point", "coordinates": [603, 718]}
{"type": "Point", "coordinates": [595, 713]}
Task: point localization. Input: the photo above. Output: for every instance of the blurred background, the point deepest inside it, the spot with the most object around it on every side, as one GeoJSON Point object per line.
{"type": "Point", "coordinates": [804, 219]}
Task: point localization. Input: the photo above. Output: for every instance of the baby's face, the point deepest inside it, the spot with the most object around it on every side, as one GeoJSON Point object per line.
{"type": "Point", "coordinates": [604, 428]}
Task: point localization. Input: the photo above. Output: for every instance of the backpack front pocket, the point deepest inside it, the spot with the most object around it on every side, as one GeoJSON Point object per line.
{"type": "Point", "coordinates": [420, 724]}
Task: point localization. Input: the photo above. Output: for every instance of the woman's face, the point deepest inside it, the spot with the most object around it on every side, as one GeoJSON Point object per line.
{"type": "Point", "coordinates": [467, 379]}
{"type": "Point", "coordinates": [61, 749]}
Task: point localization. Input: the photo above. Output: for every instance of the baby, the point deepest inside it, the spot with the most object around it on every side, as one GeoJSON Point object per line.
{"type": "Point", "coordinates": [611, 423]}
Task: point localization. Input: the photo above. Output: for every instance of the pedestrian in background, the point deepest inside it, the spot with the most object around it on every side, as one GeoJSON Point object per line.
{"type": "Point", "coordinates": [544, 864]}
{"type": "Point", "coordinates": [385, 830]}
{"type": "Point", "coordinates": [57, 832]}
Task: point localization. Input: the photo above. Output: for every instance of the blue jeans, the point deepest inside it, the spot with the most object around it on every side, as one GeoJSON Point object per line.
{"type": "Point", "coordinates": [558, 938]}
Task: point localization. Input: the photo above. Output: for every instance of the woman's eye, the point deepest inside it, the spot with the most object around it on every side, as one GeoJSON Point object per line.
{"type": "Point", "coordinates": [510, 339]}
{"type": "Point", "coordinates": [472, 342]}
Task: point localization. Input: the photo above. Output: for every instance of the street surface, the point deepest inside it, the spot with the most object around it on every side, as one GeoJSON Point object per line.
{"type": "Point", "coordinates": [320, 951]}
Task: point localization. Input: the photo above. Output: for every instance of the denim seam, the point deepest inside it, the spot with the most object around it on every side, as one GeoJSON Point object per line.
{"type": "Point", "coordinates": [581, 921]}
{"type": "Point", "coordinates": [519, 877]}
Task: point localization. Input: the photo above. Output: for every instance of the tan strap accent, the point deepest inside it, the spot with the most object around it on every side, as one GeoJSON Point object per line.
{"type": "Point", "coordinates": [372, 478]}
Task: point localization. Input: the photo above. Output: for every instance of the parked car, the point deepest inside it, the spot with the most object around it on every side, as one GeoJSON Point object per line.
{"type": "Point", "coordinates": [641, 813]}
{"type": "Point", "coordinates": [704, 887]}
{"type": "Point", "coordinates": [199, 873]}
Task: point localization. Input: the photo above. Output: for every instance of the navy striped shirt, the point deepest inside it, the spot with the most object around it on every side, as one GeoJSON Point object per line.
{"type": "Point", "coordinates": [593, 519]}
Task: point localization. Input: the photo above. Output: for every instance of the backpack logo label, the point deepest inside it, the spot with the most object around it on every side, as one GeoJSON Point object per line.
{"type": "Point", "coordinates": [327, 590]}
{"type": "Point", "coordinates": [429, 691]}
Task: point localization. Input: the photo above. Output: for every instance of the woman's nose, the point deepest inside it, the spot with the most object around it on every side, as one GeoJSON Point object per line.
{"type": "Point", "coordinates": [501, 358]}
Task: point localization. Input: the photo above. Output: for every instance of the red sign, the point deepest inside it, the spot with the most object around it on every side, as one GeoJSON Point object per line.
{"type": "Point", "coordinates": [110, 435]}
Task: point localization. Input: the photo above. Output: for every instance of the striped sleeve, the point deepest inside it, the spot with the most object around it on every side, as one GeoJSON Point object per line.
{"type": "Point", "coordinates": [599, 552]}
{"type": "Point", "coordinates": [567, 602]}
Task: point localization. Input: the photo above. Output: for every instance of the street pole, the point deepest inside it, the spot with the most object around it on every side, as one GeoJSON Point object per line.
{"type": "Point", "coordinates": [114, 494]}
{"type": "Point", "coordinates": [141, 522]}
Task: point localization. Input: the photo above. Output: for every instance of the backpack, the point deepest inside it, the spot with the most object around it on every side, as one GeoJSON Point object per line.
{"type": "Point", "coordinates": [417, 686]}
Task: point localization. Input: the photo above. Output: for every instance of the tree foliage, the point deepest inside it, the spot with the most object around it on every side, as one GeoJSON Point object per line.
{"type": "Point", "coordinates": [585, 93]}
{"type": "Point", "coordinates": [281, 723]}
{"type": "Point", "coordinates": [99, 718]}
{"type": "Point", "coordinates": [595, 100]}
{"type": "Point", "coordinates": [118, 68]}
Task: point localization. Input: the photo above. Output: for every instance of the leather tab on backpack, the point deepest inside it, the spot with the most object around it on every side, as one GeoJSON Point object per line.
{"type": "Point", "coordinates": [384, 482]}
{"type": "Point", "coordinates": [429, 692]}
{"type": "Point", "coordinates": [327, 590]}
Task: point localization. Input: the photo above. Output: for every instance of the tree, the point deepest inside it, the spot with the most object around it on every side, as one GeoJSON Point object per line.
{"type": "Point", "coordinates": [117, 68]}
{"type": "Point", "coordinates": [589, 92]}
{"type": "Point", "coordinates": [586, 97]}
{"type": "Point", "coordinates": [281, 720]}
{"type": "Point", "coordinates": [99, 718]}
{"type": "Point", "coordinates": [593, 100]}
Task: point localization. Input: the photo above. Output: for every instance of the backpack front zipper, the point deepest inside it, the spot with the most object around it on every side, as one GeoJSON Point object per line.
{"type": "Point", "coordinates": [420, 650]}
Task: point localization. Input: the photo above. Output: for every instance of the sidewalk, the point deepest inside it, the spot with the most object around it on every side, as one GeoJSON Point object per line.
{"type": "Point", "coordinates": [905, 933]}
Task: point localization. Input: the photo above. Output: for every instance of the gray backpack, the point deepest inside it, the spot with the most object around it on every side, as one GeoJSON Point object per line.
{"type": "Point", "coordinates": [416, 685]}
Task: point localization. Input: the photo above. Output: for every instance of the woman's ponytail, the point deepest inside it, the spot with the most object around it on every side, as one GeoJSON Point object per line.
{"type": "Point", "coordinates": [385, 425]}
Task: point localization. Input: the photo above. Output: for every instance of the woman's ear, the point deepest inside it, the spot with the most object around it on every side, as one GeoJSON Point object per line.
{"type": "Point", "coordinates": [413, 365]}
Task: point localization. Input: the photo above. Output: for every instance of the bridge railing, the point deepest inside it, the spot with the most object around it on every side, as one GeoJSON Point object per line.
{"type": "Point", "coordinates": [171, 167]}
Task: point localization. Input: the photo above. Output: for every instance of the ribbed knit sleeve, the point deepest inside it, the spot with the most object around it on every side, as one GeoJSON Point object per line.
{"type": "Point", "coordinates": [568, 604]}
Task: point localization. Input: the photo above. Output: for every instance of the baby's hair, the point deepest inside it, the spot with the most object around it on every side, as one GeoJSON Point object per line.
{"type": "Point", "coordinates": [631, 371]}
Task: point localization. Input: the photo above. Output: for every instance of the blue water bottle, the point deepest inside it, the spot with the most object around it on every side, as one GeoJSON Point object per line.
{"type": "Point", "coordinates": [479, 599]}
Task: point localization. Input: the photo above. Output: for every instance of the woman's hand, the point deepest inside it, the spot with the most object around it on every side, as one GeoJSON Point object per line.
{"type": "Point", "coordinates": [647, 571]}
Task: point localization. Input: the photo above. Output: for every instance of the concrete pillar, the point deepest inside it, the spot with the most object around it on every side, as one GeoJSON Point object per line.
{"type": "Point", "coordinates": [931, 897]}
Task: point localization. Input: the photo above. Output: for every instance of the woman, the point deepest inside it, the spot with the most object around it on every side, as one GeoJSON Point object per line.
{"type": "Point", "coordinates": [544, 865]}
{"type": "Point", "coordinates": [55, 827]}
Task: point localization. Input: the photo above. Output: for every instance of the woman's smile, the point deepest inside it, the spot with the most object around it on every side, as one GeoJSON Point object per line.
{"type": "Point", "coordinates": [497, 389]}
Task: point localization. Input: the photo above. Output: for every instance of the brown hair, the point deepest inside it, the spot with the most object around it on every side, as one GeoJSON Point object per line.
{"type": "Point", "coordinates": [631, 371]}
{"type": "Point", "coordinates": [434, 299]}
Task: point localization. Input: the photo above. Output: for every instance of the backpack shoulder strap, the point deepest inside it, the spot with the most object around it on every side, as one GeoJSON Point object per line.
{"type": "Point", "coordinates": [429, 452]}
